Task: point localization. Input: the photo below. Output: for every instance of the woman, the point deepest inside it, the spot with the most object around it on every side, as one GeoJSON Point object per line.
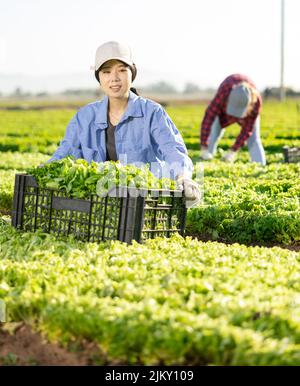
{"type": "Point", "coordinates": [124, 126]}
{"type": "Point", "coordinates": [237, 101]}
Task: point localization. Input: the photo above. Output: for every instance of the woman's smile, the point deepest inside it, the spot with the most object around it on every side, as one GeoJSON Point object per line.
{"type": "Point", "coordinates": [115, 88]}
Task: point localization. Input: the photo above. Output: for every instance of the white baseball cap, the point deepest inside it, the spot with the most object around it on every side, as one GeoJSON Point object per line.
{"type": "Point", "coordinates": [114, 50]}
{"type": "Point", "coordinates": [238, 101]}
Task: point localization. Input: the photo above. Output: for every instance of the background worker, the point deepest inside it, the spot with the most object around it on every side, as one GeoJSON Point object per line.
{"type": "Point", "coordinates": [126, 127]}
{"type": "Point", "coordinates": [236, 101]}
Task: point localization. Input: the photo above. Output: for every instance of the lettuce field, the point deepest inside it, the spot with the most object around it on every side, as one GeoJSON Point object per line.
{"type": "Point", "coordinates": [225, 294]}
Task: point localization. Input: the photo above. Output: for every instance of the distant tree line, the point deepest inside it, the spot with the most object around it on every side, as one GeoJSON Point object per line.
{"type": "Point", "coordinates": [274, 93]}
{"type": "Point", "coordinates": [160, 87]}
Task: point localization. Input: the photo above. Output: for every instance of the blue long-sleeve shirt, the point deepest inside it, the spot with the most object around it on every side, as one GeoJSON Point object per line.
{"type": "Point", "coordinates": [145, 134]}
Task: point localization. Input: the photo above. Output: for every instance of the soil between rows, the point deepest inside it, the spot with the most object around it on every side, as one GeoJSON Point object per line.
{"type": "Point", "coordinates": [21, 346]}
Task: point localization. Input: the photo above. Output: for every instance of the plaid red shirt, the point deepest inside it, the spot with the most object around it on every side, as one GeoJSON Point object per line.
{"type": "Point", "coordinates": [217, 108]}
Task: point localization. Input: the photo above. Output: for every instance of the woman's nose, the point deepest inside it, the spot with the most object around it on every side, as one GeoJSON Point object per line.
{"type": "Point", "coordinates": [115, 75]}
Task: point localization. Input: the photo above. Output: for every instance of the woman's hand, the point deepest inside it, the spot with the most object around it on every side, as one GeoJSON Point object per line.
{"type": "Point", "coordinates": [191, 190]}
{"type": "Point", "coordinates": [230, 156]}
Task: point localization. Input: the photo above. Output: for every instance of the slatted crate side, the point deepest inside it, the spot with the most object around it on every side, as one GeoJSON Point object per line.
{"type": "Point", "coordinates": [126, 214]}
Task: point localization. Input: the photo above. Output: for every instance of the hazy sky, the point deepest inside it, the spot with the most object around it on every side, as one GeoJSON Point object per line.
{"type": "Point", "coordinates": [200, 41]}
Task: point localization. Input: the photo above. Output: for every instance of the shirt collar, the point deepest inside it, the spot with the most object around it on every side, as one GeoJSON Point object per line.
{"type": "Point", "coordinates": [134, 109]}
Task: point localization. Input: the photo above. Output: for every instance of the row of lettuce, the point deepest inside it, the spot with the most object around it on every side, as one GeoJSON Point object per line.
{"type": "Point", "coordinates": [203, 303]}
{"type": "Point", "coordinates": [243, 203]}
{"type": "Point", "coordinates": [248, 203]}
{"type": "Point", "coordinates": [41, 130]}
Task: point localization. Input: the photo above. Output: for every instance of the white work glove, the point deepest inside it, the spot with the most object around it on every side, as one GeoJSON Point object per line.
{"type": "Point", "coordinates": [191, 190]}
{"type": "Point", "coordinates": [230, 156]}
{"type": "Point", "coordinates": [205, 154]}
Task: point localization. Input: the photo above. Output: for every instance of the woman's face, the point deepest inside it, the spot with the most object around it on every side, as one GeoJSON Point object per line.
{"type": "Point", "coordinates": [115, 79]}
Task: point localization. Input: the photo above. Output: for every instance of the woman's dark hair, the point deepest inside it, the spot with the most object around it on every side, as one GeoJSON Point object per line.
{"type": "Point", "coordinates": [133, 89]}
{"type": "Point", "coordinates": [97, 75]}
{"type": "Point", "coordinates": [132, 68]}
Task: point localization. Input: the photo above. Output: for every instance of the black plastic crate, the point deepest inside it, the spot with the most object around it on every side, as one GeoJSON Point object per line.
{"type": "Point", "coordinates": [291, 154]}
{"type": "Point", "coordinates": [125, 215]}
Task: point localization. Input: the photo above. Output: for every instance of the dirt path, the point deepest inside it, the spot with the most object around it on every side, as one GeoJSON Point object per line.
{"type": "Point", "coordinates": [20, 345]}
